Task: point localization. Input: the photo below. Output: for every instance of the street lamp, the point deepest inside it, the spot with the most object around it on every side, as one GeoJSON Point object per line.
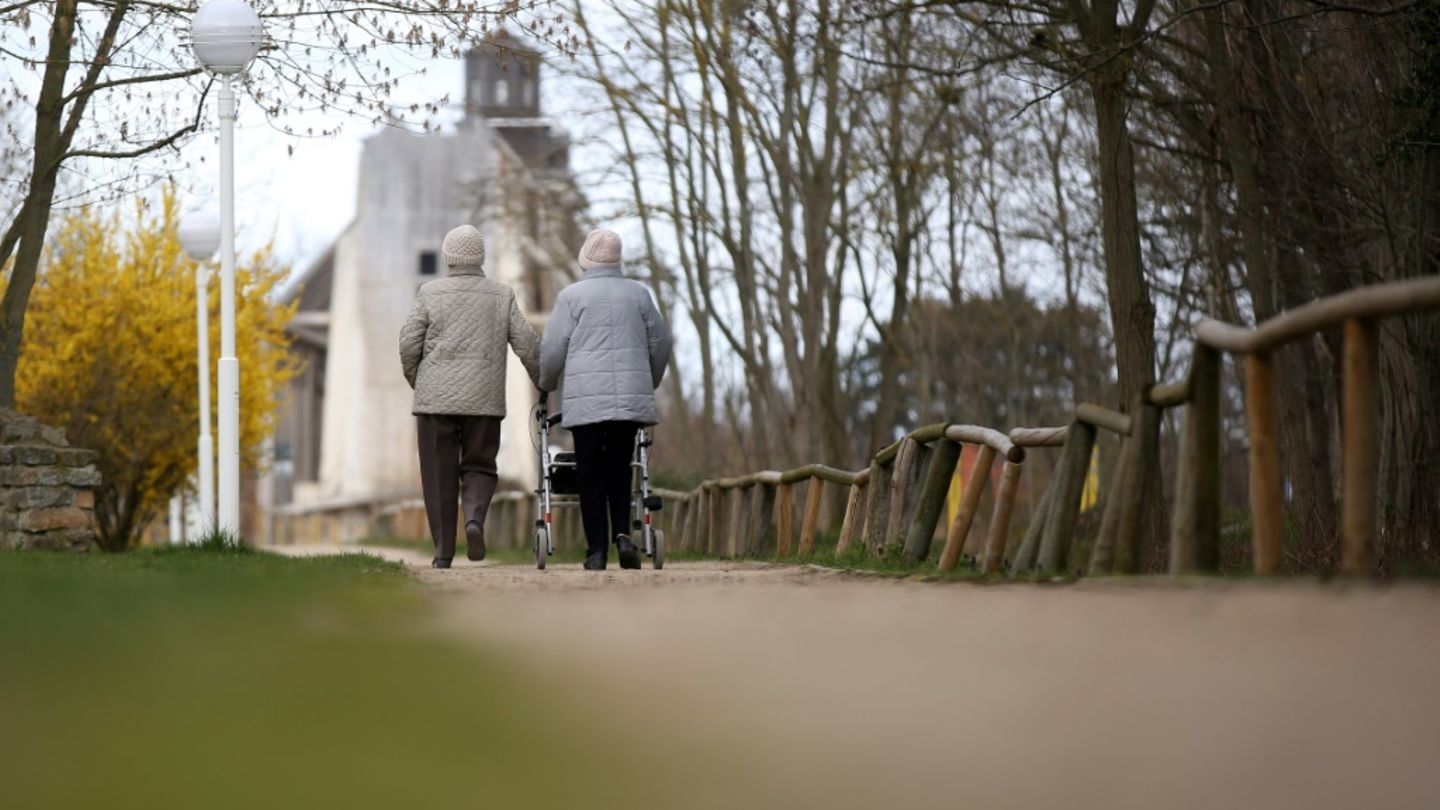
{"type": "Point", "coordinates": [200, 236]}
{"type": "Point", "coordinates": [226, 35]}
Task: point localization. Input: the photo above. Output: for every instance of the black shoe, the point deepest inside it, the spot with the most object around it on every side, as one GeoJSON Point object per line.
{"type": "Point", "coordinates": [629, 555]}
{"type": "Point", "coordinates": [439, 563]}
{"type": "Point", "coordinates": [474, 541]}
{"type": "Point", "coordinates": [595, 561]}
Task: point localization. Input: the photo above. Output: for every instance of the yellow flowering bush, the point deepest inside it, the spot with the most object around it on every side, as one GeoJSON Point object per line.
{"type": "Point", "coordinates": [109, 354]}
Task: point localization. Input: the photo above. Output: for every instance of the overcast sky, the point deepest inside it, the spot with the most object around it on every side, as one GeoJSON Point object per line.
{"type": "Point", "coordinates": [305, 198]}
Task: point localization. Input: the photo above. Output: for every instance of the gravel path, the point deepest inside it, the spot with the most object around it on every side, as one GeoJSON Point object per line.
{"type": "Point", "coordinates": [771, 686]}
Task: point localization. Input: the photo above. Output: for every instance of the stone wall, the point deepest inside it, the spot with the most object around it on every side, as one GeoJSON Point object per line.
{"type": "Point", "coordinates": [47, 487]}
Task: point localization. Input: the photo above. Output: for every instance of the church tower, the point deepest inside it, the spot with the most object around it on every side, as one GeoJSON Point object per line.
{"type": "Point", "coordinates": [502, 80]}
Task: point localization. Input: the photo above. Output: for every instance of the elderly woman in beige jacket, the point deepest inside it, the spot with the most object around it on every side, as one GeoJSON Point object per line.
{"type": "Point", "coordinates": [452, 349]}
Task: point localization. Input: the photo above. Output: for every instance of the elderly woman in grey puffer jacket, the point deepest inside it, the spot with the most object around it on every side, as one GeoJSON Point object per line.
{"type": "Point", "coordinates": [452, 349]}
{"type": "Point", "coordinates": [612, 346]}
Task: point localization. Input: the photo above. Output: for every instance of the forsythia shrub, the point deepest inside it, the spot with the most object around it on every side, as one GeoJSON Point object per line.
{"type": "Point", "coordinates": [110, 355]}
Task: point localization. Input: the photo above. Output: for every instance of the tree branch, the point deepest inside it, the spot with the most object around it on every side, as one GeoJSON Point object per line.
{"type": "Point", "coordinates": [92, 75]}
{"type": "Point", "coordinates": [156, 146]}
{"type": "Point", "coordinates": [84, 90]}
{"type": "Point", "coordinates": [17, 6]}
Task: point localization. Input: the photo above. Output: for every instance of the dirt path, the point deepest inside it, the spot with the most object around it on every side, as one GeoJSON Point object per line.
{"type": "Point", "coordinates": [803, 688]}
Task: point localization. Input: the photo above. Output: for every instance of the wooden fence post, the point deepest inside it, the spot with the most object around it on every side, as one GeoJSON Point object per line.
{"type": "Point", "coordinates": [692, 519]}
{"type": "Point", "coordinates": [923, 454]}
{"type": "Point", "coordinates": [1029, 550]}
{"type": "Point", "coordinates": [529, 513]}
{"type": "Point", "coordinates": [877, 508]}
{"type": "Point", "coordinates": [969, 502]}
{"type": "Point", "coordinates": [1267, 504]}
{"type": "Point", "coordinates": [784, 521]}
{"type": "Point", "coordinates": [1060, 525]}
{"type": "Point", "coordinates": [932, 500]}
{"type": "Point", "coordinates": [724, 497]}
{"type": "Point", "coordinates": [813, 492]}
{"type": "Point", "coordinates": [736, 525]}
{"type": "Point", "coordinates": [693, 516]}
{"type": "Point", "coordinates": [697, 521]}
{"type": "Point", "coordinates": [1195, 535]}
{"type": "Point", "coordinates": [1102, 555]}
{"type": "Point", "coordinates": [714, 541]}
{"type": "Point", "coordinates": [1000, 518]}
{"type": "Point", "coordinates": [854, 521]}
{"type": "Point", "coordinates": [762, 517]}
{"type": "Point", "coordinates": [676, 534]}
{"type": "Point", "coordinates": [904, 480]}
{"type": "Point", "coordinates": [1360, 457]}
{"type": "Point", "coordinates": [1144, 438]}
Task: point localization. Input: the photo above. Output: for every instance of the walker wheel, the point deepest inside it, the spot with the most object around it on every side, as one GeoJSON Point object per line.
{"type": "Point", "coordinates": [541, 552]}
{"type": "Point", "coordinates": [658, 557]}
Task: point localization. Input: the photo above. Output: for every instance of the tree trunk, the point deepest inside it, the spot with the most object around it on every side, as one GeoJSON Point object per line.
{"type": "Point", "coordinates": [27, 232]}
{"type": "Point", "coordinates": [1132, 314]}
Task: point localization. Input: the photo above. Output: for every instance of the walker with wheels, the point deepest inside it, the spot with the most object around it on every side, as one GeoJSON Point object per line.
{"type": "Point", "coordinates": [559, 487]}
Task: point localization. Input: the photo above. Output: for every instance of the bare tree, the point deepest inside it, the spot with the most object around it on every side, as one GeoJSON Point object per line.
{"type": "Point", "coordinates": [116, 85]}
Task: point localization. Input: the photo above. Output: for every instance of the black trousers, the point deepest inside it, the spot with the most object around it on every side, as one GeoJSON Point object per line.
{"type": "Point", "coordinates": [457, 457]}
{"type": "Point", "coordinates": [603, 452]}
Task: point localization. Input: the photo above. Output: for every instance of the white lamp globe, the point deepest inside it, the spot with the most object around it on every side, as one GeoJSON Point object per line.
{"type": "Point", "coordinates": [226, 35]}
{"type": "Point", "coordinates": [199, 233]}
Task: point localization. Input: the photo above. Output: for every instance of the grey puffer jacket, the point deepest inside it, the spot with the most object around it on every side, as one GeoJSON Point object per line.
{"type": "Point", "coordinates": [452, 346]}
{"type": "Point", "coordinates": [610, 342]}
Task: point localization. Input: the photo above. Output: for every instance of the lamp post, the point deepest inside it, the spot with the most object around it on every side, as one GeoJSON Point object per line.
{"type": "Point", "coordinates": [200, 237]}
{"type": "Point", "coordinates": [226, 35]}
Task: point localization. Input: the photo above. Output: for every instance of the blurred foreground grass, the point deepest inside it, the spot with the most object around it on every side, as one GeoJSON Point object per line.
{"type": "Point", "coordinates": [231, 679]}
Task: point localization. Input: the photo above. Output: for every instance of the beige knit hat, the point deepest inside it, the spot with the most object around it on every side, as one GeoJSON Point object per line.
{"type": "Point", "coordinates": [464, 247]}
{"type": "Point", "coordinates": [601, 249]}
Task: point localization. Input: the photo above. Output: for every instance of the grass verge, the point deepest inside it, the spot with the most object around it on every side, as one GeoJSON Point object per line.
{"type": "Point", "coordinates": [227, 678]}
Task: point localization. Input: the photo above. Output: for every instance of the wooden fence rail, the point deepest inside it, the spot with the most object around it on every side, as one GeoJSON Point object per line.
{"type": "Point", "coordinates": [1195, 526]}
{"type": "Point", "coordinates": [1358, 312]}
{"type": "Point", "coordinates": [895, 503]}
{"type": "Point", "coordinates": [897, 500]}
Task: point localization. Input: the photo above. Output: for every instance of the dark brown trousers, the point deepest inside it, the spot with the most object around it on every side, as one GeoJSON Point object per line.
{"type": "Point", "coordinates": [457, 457]}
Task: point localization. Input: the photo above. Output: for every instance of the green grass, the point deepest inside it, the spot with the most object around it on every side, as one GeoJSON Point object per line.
{"type": "Point", "coordinates": [227, 678]}
{"type": "Point", "coordinates": [891, 562]}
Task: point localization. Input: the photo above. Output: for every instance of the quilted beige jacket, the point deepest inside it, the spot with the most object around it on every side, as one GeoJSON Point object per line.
{"type": "Point", "coordinates": [452, 346]}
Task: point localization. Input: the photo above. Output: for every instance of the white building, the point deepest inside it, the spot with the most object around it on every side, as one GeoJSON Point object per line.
{"type": "Point", "coordinates": [345, 449]}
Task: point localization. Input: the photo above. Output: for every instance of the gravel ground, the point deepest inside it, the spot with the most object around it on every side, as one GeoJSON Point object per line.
{"type": "Point", "coordinates": [778, 686]}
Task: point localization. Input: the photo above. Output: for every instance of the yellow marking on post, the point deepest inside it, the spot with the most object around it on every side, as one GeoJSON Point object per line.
{"type": "Point", "coordinates": [952, 498]}
{"type": "Point", "coordinates": [1091, 494]}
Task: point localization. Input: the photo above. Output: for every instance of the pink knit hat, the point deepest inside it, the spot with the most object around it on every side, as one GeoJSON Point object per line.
{"type": "Point", "coordinates": [601, 249]}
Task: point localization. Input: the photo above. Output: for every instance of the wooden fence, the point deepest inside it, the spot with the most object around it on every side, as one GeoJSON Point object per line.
{"type": "Point", "coordinates": [897, 500]}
